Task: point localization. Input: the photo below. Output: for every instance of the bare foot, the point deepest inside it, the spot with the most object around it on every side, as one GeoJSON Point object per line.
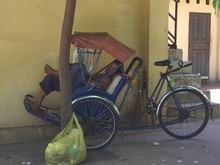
{"type": "Point", "coordinates": [48, 69]}
{"type": "Point", "coordinates": [33, 103]}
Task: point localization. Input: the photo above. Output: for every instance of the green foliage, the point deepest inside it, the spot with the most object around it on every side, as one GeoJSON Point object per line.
{"type": "Point", "coordinates": [216, 5]}
{"type": "Point", "coordinates": [172, 81]}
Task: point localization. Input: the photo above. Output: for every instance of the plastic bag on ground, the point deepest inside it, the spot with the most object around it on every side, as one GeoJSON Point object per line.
{"type": "Point", "coordinates": [68, 147]}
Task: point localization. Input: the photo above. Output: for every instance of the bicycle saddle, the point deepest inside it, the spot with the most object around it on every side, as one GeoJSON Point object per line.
{"type": "Point", "coordinates": [162, 63]}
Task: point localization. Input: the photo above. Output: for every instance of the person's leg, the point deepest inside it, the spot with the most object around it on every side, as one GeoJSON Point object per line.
{"type": "Point", "coordinates": [49, 84]}
{"type": "Point", "coordinates": [38, 100]}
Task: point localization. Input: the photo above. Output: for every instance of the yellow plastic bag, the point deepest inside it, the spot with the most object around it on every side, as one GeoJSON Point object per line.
{"type": "Point", "coordinates": [68, 147]}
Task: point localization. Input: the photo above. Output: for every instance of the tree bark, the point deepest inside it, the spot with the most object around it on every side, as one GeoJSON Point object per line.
{"type": "Point", "coordinates": [64, 56]}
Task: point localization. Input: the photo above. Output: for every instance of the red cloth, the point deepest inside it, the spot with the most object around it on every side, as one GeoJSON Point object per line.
{"type": "Point", "coordinates": [103, 41]}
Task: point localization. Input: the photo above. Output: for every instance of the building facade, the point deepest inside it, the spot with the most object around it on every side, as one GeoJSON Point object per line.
{"type": "Point", "coordinates": [30, 37]}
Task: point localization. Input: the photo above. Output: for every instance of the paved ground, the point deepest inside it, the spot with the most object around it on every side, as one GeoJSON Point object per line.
{"type": "Point", "coordinates": [140, 148]}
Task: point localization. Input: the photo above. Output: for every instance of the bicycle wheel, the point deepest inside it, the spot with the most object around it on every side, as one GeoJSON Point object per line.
{"type": "Point", "coordinates": [98, 119]}
{"type": "Point", "coordinates": [183, 113]}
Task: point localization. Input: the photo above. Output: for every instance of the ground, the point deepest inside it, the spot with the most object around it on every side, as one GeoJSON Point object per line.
{"type": "Point", "coordinates": [151, 147]}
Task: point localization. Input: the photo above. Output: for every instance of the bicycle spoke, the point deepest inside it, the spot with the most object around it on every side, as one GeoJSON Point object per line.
{"type": "Point", "coordinates": [98, 122]}
{"type": "Point", "coordinates": [186, 117]}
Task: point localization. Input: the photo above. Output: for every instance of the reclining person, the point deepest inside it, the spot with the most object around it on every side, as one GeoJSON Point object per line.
{"type": "Point", "coordinates": [50, 82]}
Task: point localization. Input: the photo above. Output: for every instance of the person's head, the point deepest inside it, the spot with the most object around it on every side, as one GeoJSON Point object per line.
{"type": "Point", "coordinates": [115, 67]}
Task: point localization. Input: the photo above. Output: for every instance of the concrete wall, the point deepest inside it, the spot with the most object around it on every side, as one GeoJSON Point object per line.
{"type": "Point", "coordinates": [183, 30]}
{"type": "Point", "coordinates": [30, 37]}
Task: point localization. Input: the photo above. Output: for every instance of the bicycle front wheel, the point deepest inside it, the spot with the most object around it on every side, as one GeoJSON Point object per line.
{"type": "Point", "coordinates": [99, 120]}
{"type": "Point", "coordinates": [184, 113]}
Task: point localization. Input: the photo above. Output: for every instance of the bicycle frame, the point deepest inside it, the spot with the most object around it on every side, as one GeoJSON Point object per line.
{"type": "Point", "coordinates": [153, 99]}
{"type": "Point", "coordinates": [157, 90]}
{"type": "Point", "coordinates": [153, 105]}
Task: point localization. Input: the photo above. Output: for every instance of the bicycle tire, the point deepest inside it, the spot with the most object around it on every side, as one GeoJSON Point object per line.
{"type": "Point", "coordinates": [99, 120]}
{"type": "Point", "coordinates": [183, 126]}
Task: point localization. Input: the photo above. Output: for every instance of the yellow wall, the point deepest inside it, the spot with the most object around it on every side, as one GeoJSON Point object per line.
{"type": "Point", "coordinates": [158, 25]}
{"type": "Point", "coordinates": [30, 36]}
{"type": "Point", "coordinates": [183, 29]}
{"type": "Point", "coordinates": [218, 50]}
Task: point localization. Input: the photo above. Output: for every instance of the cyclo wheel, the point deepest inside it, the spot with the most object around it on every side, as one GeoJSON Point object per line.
{"type": "Point", "coordinates": [98, 118]}
{"type": "Point", "coordinates": [188, 122]}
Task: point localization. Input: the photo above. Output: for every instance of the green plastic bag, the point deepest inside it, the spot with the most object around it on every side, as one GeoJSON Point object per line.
{"type": "Point", "coordinates": [68, 147]}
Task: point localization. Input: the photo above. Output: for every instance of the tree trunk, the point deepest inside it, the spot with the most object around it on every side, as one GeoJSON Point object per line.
{"type": "Point", "coordinates": [64, 56]}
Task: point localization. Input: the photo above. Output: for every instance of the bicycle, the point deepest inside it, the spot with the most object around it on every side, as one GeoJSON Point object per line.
{"type": "Point", "coordinates": [180, 110]}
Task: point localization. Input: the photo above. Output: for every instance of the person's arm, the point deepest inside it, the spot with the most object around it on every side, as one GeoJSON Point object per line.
{"type": "Point", "coordinates": [104, 83]}
{"type": "Point", "coordinates": [49, 70]}
{"type": "Point", "coordinates": [101, 81]}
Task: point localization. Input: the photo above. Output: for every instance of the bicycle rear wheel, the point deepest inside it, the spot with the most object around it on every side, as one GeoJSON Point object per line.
{"type": "Point", "coordinates": [184, 113]}
{"type": "Point", "coordinates": [98, 119]}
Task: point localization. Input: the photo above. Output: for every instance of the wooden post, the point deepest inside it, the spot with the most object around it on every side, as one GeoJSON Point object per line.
{"type": "Point", "coordinates": [64, 56]}
{"type": "Point", "coordinates": [207, 2]}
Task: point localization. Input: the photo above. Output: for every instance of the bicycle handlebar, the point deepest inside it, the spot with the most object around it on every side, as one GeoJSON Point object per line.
{"type": "Point", "coordinates": [181, 65]}
{"type": "Point", "coordinates": [189, 64]}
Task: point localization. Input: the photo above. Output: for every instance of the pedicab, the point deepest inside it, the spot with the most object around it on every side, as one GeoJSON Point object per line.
{"type": "Point", "coordinates": [94, 107]}
{"type": "Point", "coordinates": [183, 112]}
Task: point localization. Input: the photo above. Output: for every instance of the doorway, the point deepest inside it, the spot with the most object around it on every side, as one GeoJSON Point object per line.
{"type": "Point", "coordinates": [199, 43]}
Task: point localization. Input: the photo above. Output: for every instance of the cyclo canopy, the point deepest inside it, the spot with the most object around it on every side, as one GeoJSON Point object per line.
{"type": "Point", "coordinates": [103, 41]}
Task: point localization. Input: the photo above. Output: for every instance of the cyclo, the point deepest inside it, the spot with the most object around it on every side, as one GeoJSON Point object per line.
{"type": "Point", "coordinates": [183, 112]}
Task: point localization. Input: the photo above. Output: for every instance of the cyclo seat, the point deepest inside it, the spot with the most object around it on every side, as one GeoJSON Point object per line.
{"type": "Point", "coordinates": [162, 63]}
